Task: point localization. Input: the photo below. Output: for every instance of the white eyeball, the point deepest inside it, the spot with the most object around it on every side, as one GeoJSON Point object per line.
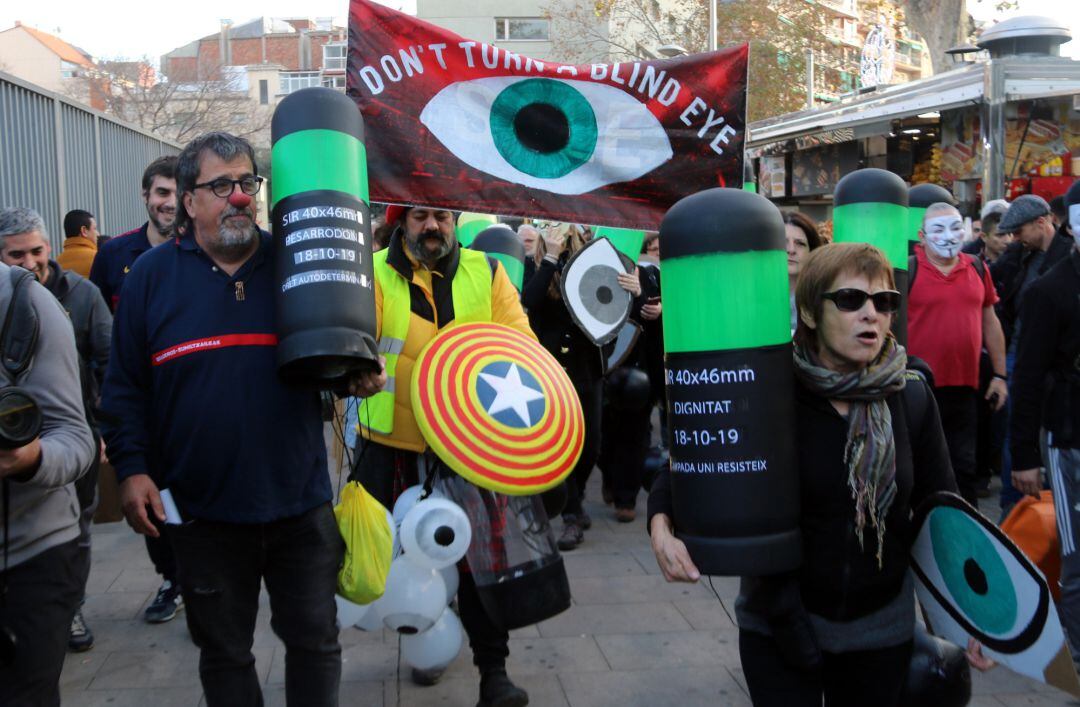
{"type": "Point", "coordinates": [435, 533]}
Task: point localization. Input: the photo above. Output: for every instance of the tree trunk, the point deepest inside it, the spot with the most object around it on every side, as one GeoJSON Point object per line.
{"type": "Point", "coordinates": [940, 23]}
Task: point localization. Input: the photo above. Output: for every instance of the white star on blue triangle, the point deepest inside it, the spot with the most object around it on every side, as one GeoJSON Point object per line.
{"type": "Point", "coordinates": [510, 393]}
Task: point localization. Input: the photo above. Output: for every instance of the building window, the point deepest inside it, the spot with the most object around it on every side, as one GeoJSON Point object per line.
{"type": "Point", "coordinates": [296, 80]}
{"type": "Point", "coordinates": [333, 56]}
{"type": "Point", "coordinates": [337, 82]}
{"type": "Point", "coordinates": [68, 70]}
{"type": "Point", "coordinates": [238, 118]}
{"type": "Point", "coordinates": [264, 92]}
{"type": "Point", "coordinates": [526, 29]}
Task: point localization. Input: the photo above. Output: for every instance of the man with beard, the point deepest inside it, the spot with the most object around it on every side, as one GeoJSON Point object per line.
{"type": "Point", "coordinates": [111, 266]}
{"type": "Point", "coordinates": [425, 282]}
{"type": "Point", "coordinates": [191, 393]}
{"type": "Point", "coordinates": [950, 318]}
{"type": "Point", "coordinates": [116, 256]}
{"type": "Point", "coordinates": [86, 310]}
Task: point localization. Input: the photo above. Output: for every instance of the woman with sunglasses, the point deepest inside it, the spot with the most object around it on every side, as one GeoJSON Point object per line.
{"type": "Point", "coordinates": [870, 449]}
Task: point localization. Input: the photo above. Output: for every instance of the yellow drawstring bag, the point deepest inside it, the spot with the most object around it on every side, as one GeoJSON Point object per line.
{"type": "Point", "coordinates": [368, 531]}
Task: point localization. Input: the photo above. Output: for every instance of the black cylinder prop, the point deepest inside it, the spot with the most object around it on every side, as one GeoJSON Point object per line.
{"type": "Point", "coordinates": [871, 206]}
{"type": "Point", "coordinates": [322, 232]}
{"type": "Point", "coordinates": [501, 243]}
{"type": "Point", "coordinates": [730, 383]}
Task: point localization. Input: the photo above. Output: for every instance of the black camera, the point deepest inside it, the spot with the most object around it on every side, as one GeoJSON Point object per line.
{"type": "Point", "coordinates": [20, 418]}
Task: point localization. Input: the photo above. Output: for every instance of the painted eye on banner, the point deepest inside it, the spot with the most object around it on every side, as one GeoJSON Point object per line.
{"type": "Point", "coordinates": [982, 583]}
{"type": "Point", "coordinates": [560, 135]}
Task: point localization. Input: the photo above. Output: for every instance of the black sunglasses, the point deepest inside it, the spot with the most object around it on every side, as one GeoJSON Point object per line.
{"type": "Point", "coordinates": [223, 188]}
{"type": "Point", "coordinates": [849, 299]}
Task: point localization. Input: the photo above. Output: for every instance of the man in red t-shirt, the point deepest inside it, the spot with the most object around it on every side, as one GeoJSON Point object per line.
{"type": "Point", "coordinates": [950, 318]}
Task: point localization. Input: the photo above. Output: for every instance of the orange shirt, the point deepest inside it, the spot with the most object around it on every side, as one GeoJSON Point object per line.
{"type": "Point", "coordinates": [78, 255]}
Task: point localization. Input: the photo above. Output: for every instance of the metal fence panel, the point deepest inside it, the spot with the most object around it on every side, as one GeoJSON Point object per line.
{"type": "Point", "coordinates": [57, 155]}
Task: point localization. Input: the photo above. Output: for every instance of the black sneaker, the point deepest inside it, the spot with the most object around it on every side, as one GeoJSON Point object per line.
{"type": "Point", "coordinates": [585, 520]}
{"type": "Point", "coordinates": [496, 690]}
{"type": "Point", "coordinates": [80, 638]}
{"type": "Point", "coordinates": [165, 605]}
{"type": "Point", "coordinates": [572, 534]}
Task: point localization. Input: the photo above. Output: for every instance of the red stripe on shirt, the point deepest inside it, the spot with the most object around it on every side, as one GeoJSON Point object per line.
{"type": "Point", "coordinates": [213, 342]}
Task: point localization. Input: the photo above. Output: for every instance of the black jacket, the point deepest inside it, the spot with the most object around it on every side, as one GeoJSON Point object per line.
{"type": "Point", "coordinates": [838, 580]}
{"type": "Point", "coordinates": [1009, 270]}
{"type": "Point", "coordinates": [92, 321]}
{"type": "Point", "coordinates": [1046, 378]}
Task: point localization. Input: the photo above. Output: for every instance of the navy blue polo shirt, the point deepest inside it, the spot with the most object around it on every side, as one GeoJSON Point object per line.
{"type": "Point", "coordinates": [192, 395]}
{"type": "Point", "coordinates": [114, 260]}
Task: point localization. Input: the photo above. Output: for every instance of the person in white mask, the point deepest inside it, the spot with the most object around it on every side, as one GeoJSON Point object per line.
{"type": "Point", "coordinates": [950, 318]}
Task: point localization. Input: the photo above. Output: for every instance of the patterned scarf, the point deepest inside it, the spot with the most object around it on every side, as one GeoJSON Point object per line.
{"type": "Point", "coordinates": [870, 452]}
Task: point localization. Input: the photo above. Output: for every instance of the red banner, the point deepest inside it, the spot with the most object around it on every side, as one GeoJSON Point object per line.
{"type": "Point", "coordinates": [460, 124]}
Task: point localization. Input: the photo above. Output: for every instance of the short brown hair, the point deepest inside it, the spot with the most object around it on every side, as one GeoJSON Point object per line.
{"type": "Point", "coordinates": [161, 167]}
{"type": "Point", "coordinates": [820, 271]}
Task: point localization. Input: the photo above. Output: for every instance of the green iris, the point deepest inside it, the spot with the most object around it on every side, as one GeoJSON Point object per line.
{"type": "Point", "coordinates": [543, 127]}
{"type": "Point", "coordinates": [973, 571]}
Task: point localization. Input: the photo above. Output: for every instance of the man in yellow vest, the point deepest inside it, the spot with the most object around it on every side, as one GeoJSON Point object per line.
{"type": "Point", "coordinates": [424, 282]}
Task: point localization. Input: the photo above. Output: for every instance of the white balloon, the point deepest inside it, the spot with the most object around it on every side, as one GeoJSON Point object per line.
{"type": "Point", "coordinates": [435, 533]}
{"type": "Point", "coordinates": [348, 613]}
{"type": "Point", "coordinates": [370, 621]}
{"type": "Point", "coordinates": [451, 578]}
{"type": "Point", "coordinates": [415, 597]}
{"type": "Point", "coordinates": [409, 498]}
{"type": "Point", "coordinates": [437, 647]}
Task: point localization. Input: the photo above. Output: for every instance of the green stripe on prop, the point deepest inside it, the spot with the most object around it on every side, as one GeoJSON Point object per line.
{"type": "Point", "coordinates": [882, 225]}
{"type": "Point", "coordinates": [515, 269]}
{"type": "Point", "coordinates": [470, 224]}
{"type": "Point", "coordinates": [313, 160]}
{"type": "Point", "coordinates": [626, 241]}
{"type": "Point", "coordinates": [748, 303]}
{"type": "Point", "coordinates": [914, 223]}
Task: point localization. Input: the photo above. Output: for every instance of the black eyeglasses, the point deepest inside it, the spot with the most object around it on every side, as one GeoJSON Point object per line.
{"type": "Point", "coordinates": [849, 299]}
{"type": "Point", "coordinates": [223, 187]}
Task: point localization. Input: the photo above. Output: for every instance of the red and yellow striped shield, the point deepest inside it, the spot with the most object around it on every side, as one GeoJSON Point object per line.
{"type": "Point", "coordinates": [497, 408]}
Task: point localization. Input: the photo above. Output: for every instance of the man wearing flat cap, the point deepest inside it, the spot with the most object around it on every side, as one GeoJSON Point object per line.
{"type": "Point", "coordinates": [1037, 248]}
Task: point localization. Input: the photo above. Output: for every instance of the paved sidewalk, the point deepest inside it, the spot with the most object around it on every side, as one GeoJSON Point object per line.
{"type": "Point", "coordinates": [630, 639]}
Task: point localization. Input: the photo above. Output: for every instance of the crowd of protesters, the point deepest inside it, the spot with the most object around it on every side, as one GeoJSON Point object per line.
{"type": "Point", "coordinates": [993, 317]}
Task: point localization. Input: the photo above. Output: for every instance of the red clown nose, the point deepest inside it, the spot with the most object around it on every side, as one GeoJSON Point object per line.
{"type": "Point", "coordinates": [239, 199]}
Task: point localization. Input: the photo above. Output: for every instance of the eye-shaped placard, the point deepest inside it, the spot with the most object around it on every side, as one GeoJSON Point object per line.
{"type": "Point", "coordinates": [560, 135]}
{"type": "Point", "coordinates": [972, 581]}
{"type": "Point", "coordinates": [591, 291]}
{"type": "Point", "coordinates": [435, 533]}
{"type": "Point", "coordinates": [625, 340]}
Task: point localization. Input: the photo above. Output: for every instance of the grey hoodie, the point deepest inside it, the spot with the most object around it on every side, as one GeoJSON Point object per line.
{"type": "Point", "coordinates": [44, 510]}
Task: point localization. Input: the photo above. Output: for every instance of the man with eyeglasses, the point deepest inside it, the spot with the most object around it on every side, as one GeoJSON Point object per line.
{"type": "Point", "coordinates": [196, 408]}
{"type": "Point", "coordinates": [950, 319]}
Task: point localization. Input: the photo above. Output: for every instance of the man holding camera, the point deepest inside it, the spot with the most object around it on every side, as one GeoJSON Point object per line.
{"type": "Point", "coordinates": [42, 566]}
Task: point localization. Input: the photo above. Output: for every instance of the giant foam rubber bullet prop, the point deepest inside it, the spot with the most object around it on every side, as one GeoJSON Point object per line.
{"type": "Point", "coordinates": [469, 226]}
{"type": "Point", "coordinates": [626, 240]}
{"type": "Point", "coordinates": [325, 293]}
{"type": "Point", "coordinates": [730, 383]}
{"type": "Point", "coordinates": [871, 206]}
{"type": "Point", "coordinates": [920, 196]}
{"type": "Point", "coordinates": [502, 243]}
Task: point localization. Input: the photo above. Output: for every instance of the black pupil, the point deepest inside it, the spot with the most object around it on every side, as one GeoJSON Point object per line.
{"type": "Point", "coordinates": [603, 294]}
{"type": "Point", "coordinates": [542, 127]}
{"type": "Point", "coordinates": [444, 535]}
{"type": "Point", "coordinates": [975, 577]}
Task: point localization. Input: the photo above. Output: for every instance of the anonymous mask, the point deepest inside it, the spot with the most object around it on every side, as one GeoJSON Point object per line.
{"type": "Point", "coordinates": [944, 235]}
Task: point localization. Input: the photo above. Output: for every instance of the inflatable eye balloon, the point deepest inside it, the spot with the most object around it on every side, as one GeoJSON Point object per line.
{"type": "Point", "coordinates": [437, 647]}
{"type": "Point", "coordinates": [409, 498]}
{"type": "Point", "coordinates": [590, 288]}
{"type": "Point", "coordinates": [452, 579]}
{"type": "Point", "coordinates": [730, 383]}
{"type": "Point", "coordinates": [325, 298]}
{"type": "Point", "coordinates": [435, 533]}
{"type": "Point", "coordinates": [972, 581]}
{"type": "Point", "coordinates": [415, 598]}
{"type": "Point", "coordinates": [348, 613]}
